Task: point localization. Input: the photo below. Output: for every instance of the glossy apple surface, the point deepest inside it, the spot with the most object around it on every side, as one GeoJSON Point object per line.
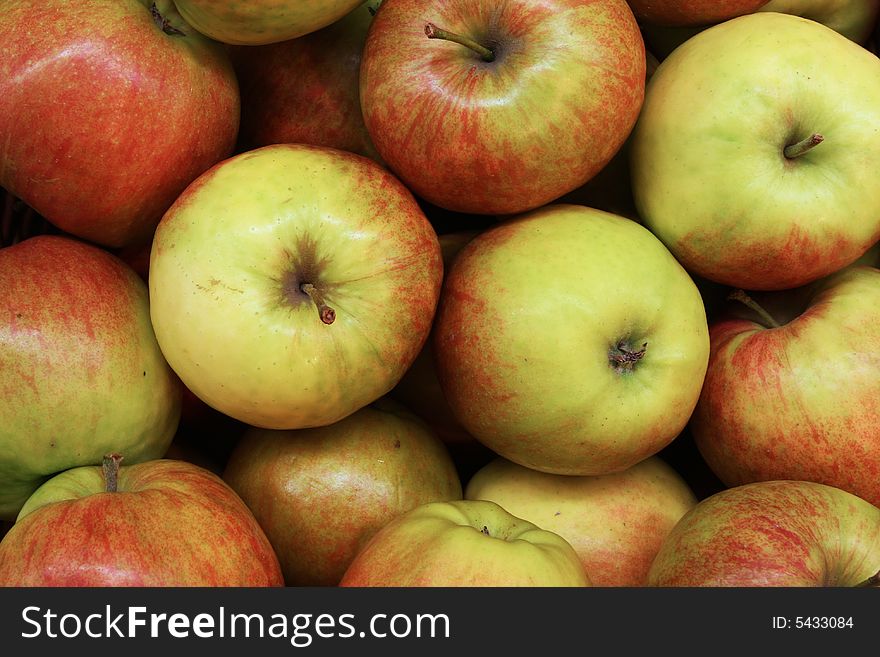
{"type": "Point", "coordinates": [719, 174]}
{"type": "Point", "coordinates": [616, 522]}
{"type": "Point", "coordinates": [258, 22]}
{"type": "Point", "coordinates": [320, 494]}
{"type": "Point", "coordinates": [104, 116]}
{"type": "Point", "coordinates": [292, 285]}
{"type": "Point", "coordinates": [570, 341]}
{"type": "Point", "coordinates": [81, 372]}
{"type": "Point", "coordinates": [557, 100]}
{"type": "Point", "coordinates": [801, 400]}
{"type": "Point", "coordinates": [466, 543]}
{"type": "Point", "coordinates": [778, 533]}
{"type": "Point", "coordinates": [164, 523]}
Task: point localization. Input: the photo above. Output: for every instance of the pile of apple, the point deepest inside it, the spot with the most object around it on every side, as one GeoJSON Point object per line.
{"type": "Point", "coordinates": [439, 292]}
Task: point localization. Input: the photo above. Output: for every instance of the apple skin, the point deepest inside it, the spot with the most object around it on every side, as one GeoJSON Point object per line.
{"type": "Point", "coordinates": [800, 401]}
{"type": "Point", "coordinates": [557, 295]}
{"type": "Point", "coordinates": [469, 543]}
{"type": "Point", "coordinates": [228, 267]}
{"type": "Point", "coordinates": [691, 12]}
{"type": "Point", "coordinates": [854, 19]}
{"type": "Point", "coordinates": [306, 90]}
{"type": "Point", "coordinates": [320, 494]}
{"type": "Point", "coordinates": [128, 116]}
{"type": "Point", "coordinates": [170, 523]}
{"type": "Point", "coordinates": [748, 216]}
{"type": "Point", "coordinates": [260, 22]}
{"type": "Point", "coordinates": [81, 372]}
{"type": "Point", "coordinates": [616, 522]}
{"type": "Point", "coordinates": [776, 533]}
{"type": "Point", "coordinates": [510, 135]}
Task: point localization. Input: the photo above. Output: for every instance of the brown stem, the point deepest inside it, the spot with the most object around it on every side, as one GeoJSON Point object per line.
{"type": "Point", "coordinates": [799, 148]}
{"type": "Point", "coordinates": [745, 299]}
{"type": "Point", "coordinates": [325, 312]}
{"type": "Point", "coordinates": [110, 467]}
{"type": "Point", "coordinates": [624, 358]}
{"type": "Point", "coordinates": [163, 23]}
{"type": "Point", "coordinates": [434, 32]}
{"type": "Point", "coordinates": [872, 581]}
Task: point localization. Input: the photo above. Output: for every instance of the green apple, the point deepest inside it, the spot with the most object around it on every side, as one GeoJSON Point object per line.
{"type": "Point", "coordinates": [570, 341]}
{"type": "Point", "coordinates": [753, 159]}
{"type": "Point", "coordinates": [257, 22]}
{"type": "Point", "coordinates": [854, 19]}
{"type": "Point", "coordinates": [464, 543]}
{"type": "Point", "coordinates": [81, 372]}
{"type": "Point", "coordinates": [795, 393]}
{"type": "Point", "coordinates": [775, 533]}
{"type": "Point", "coordinates": [158, 523]}
{"type": "Point", "coordinates": [615, 522]}
{"type": "Point", "coordinates": [320, 494]}
{"type": "Point", "coordinates": [292, 285]}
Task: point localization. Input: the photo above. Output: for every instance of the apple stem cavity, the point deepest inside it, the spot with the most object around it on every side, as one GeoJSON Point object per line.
{"type": "Point", "coordinates": [434, 32]}
{"type": "Point", "coordinates": [325, 312]}
{"type": "Point", "coordinates": [872, 582]}
{"type": "Point", "coordinates": [163, 23]}
{"type": "Point", "coordinates": [804, 146]}
{"type": "Point", "coordinates": [745, 299]}
{"type": "Point", "coordinates": [110, 468]}
{"type": "Point", "coordinates": [623, 357]}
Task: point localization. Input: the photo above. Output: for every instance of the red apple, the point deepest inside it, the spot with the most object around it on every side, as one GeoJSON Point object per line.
{"type": "Point", "coordinates": [616, 522]}
{"type": "Point", "coordinates": [691, 12]}
{"type": "Point", "coordinates": [321, 494]}
{"type": "Point", "coordinates": [306, 90]}
{"type": "Point", "coordinates": [795, 393]}
{"type": "Point", "coordinates": [775, 533]}
{"type": "Point", "coordinates": [464, 543]}
{"type": "Point", "coordinates": [537, 102]}
{"type": "Point", "coordinates": [108, 110]}
{"type": "Point", "coordinates": [81, 372]}
{"type": "Point", "coordinates": [159, 523]}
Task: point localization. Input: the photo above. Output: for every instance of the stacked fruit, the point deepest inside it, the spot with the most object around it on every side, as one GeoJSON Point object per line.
{"type": "Point", "coordinates": [439, 292]}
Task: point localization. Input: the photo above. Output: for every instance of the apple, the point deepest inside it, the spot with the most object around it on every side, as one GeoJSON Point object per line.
{"type": "Point", "coordinates": [691, 12]}
{"type": "Point", "coordinates": [320, 494]}
{"type": "Point", "coordinates": [18, 221]}
{"type": "Point", "coordinates": [731, 154]}
{"type": "Point", "coordinates": [615, 522]}
{"type": "Point", "coordinates": [464, 543]}
{"type": "Point", "coordinates": [108, 110]}
{"type": "Point", "coordinates": [775, 533]}
{"type": "Point", "coordinates": [259, 22]}
{"type": "Point", "coordinates": [81, 372]}
{"type": "Point", "coordinates": [306, 90]}
{"type": "Point", "coordinates": [854, 19]}
{"type": "Point", "coordinates": [158, 523]}
{"type": "Point", "coordinates": [569, 340]}
{"type": "Point", "coordinates": [293, 285]}
{"type": "Point", "coordinates": [795, 394]}
{"type": "Point", "coordinates": [492, 108]}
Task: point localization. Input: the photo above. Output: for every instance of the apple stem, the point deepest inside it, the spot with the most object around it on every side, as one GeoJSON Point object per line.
{"type": "Point", "coordinates": [872, 581]}
{"type": "Point", "coordinates": [434, 32]}
{"type": "Point", "coordinates": [163, 23]}
{"type": "Point", "coordinates": [797, 149]}
{"type": "Point", "coordinates": [325, 312]}
{"type": "Point", "coordinates": [745, 299]}
{"type": "Point", "coordinates": [110, 467]}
